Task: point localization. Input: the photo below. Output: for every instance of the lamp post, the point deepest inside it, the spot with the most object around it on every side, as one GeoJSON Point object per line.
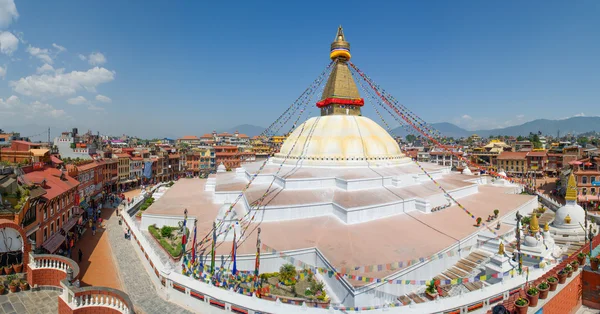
{"type": "Point", "coordinates": [69, 276]}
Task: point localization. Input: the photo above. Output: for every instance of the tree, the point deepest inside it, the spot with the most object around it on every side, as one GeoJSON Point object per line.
{"type": "Point", "coordinates": [583, 141]}
{"type": "Point", "coordinates": [411, 138]}
{"type": "Point", "coordinates": [520, 138]}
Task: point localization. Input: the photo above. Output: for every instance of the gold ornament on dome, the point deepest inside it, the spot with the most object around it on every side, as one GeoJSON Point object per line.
{"type": "Point", "coordinates": [533, 224]}
{"type": "Point", "coordinates": [568, 219]}
{"type": "Point", "coordinates": [571, 189]}
{"type": "Point", "coordinates": [501, 249]}
{"type": "Point", "coordinates": [546, 227]}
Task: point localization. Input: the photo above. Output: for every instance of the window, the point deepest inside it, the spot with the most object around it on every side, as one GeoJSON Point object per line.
{"type": "Point", "coordinates": [592, 179]}
{"type": "Point", "coordinates": [45, 213]}
{"type": "Point", "coordinates": [584, 191]}
{"type": "Point", "coordinates": [45, 233]}
{"type": "Point", "coordinates": [584, 179]}
{"type": "Point", "coordinates": [57, 223]}
{"type": "Point", "coordinates": [52, 228]}
{"type": "Point", "coordinates": [63, 221]}
{"type": "Point", "coordinates": [593, 190]}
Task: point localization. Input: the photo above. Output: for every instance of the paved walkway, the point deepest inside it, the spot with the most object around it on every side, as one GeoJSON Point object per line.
{"type": "Point", "coordinates": [29, 302]}
{"type": "Point", "coordinates": [135, 278]}
{"type": "Point", "coordinates": [98, 267]}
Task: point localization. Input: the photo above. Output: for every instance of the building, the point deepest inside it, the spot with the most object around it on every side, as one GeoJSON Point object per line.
{"type": "Point", "coordinates": [555, 163]}
{"type": "Point", "coordinates": [523, 146]}
{"type": "Point", "coordinates": [513, 163]}
{"type": "Point", "coordinates": [57, 210]}
{"type": "Point", "coordinates": [537, 162]}
{"type": "Point", "coordinates": [260, 147]}
{"type": "Point", "coordinates": [123, 170]}
{"type": "Point", "coordinates": [228, 156]}
{"type": "Point", "coordinates": [485, 156]}
{"type": "Point", "coordinates": [23, 152]}
{"type": "Point", "coordinates": [200, 160]}
{"type": "Point", "coordinates": [72, 145]}
{"type": "Point", "coordinates": [587, 178]}
{"type": "Point", "coordinates": [446, 157]}
{"type": "Point", "coordinates": [85, 173]}
{"type": "Point", "coordinates": [190, 140]}
{"type": "Point", "coordinates": [135, 170]}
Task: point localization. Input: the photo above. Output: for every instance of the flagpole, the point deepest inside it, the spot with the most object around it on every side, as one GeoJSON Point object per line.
{"type": "Point", "coordinates": [212, 250]}
{"type": "Point", "coordinates": [257, 263]}
{"type": "Point", "coordinates": [233, 254]}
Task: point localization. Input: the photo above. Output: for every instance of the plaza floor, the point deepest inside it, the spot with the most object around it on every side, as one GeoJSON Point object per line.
{"type": "Point", "coordinates": [98, 267]}
{"type": "Point", "coordinates": [29, 302]}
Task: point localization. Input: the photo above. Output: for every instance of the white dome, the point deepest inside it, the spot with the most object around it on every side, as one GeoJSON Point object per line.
{"type": "Point", "coordinates": [502, 174]}
{"type": "Point", "coordinates": [467, 171]}
{"type": "Point", "coordinates": [221, 168]}
{"type": "Point", "coordinates": [340, 140]}
{"type": "Point", "coordinates": [575, 212]}
{"type": "Point", "coordinates": [531, 241]}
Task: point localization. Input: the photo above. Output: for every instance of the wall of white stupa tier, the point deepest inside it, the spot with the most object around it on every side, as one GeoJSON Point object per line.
{"type": "Point", "coordinates": [276, 211]}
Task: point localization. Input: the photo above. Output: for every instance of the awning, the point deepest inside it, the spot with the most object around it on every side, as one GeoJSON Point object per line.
{"type": "Point", "coordinates": [54, 242]}
{"type": "Point", "coordinates": [67, 226]}
{"type": "Point", "coordinates": [97, 197]}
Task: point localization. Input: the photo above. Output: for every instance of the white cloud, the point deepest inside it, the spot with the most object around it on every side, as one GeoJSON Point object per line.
{"type": "Point", "coordinates": [95, 108]}
{"type": "Point", "coordinates": [62, 84]}
{"type": "Point", "coordinates": [466, 117]}
{"type": "Point", "coordinates": [96, 58]}
{"type": "Point", "coordinates": [102, 98]}
{"type": "Point", "coordinates": [579, 115]}
{"type": "Point", "coordinates": [8, 13]}
{"type": "Point", "coordinates": [10, 102]}
{"type": "Point", "coordinates": [82, 57]}
{"type": "Point", "coordinates": [8, 43]}
{"type": "Point", "coordinates": [520, 116]}
{"type": "Point", "coordinates": [2, 72]}
{"type": "Point", "coordinates": [77, 100]}
{"type": "Point", "coordinates": [45, 68]}
{"type": "Point", "coordinates": [59, 48]}
{"type": "Point", "coordinates": [42, 54]}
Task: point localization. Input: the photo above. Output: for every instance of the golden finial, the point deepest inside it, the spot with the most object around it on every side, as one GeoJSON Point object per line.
{"type": "Point", "coordinates": [546, 227]}
{"type": "Point", "coordinates": [571, 189]}
{"type": "Point", "coordinates": [340, 48]}
{"type": "Point", "coordinates": [533, 224]}
{"type": "Point", "coordinates": [501, 249]}
{"type": "Point", "coordinates": [568, 219]}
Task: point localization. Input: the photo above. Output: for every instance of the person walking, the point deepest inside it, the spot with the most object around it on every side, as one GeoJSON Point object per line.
{"type": "Point", "coordinates": [94, 229]}
{"type": "Point", "coordinates": [80, 253]}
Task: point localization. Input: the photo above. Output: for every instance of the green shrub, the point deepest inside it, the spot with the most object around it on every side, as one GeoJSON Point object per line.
{"type": "Point", "coordinates": [174, 250]}
{"type": "Point", "coordinates": [287, 273]}
{"type": "Point", "coordinates": [165, 231]}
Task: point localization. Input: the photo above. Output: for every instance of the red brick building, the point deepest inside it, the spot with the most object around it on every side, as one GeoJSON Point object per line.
{"type": "Point", "coordinates": [57, 209]}
{"type": "Point", "coordinates": [228, 156]}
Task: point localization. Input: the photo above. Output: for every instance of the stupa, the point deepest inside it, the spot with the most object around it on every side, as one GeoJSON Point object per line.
{"type": "Point", "coordinates": [341, 195]}
{"type": "Point", "coordinates": [569, 221]}
{"type": "Point", "coordinates": [537, 245]}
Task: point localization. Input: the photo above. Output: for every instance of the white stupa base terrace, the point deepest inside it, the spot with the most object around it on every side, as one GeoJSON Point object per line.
{"type": "Point", "coordinates": [345, 217]}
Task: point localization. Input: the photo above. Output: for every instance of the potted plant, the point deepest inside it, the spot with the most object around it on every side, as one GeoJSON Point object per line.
{"type": "Point", "coordinates": [562, 276]}
{"type": "Point", "coordinates": [496, 212]}
{"type": "Point", "coordinates": [18, 267]}
{"type": "Point", "coordinates": [575, 265]}
{"type": "Point", "coordinates": [543, 288]}
{"type": "Point", "coordinates": [533, 294]}
{"type": "Point", "coordinates": [478, 221]}
{"type": "Point", "coordinates": [12, 285]}
{"type": "Point", "coordinates": [594, 263]}
{"type": "Point", "coordinates": [581, 259]}
{"type": "Point", "coordinates": [521, 305]}
{"type": "Point", "coordinates": [569, 270]}
{"type": "Point", "coordinates": [431, 291]}
{"type": "Point", "coordinates": [552, 282]}
{"type": "Point", "coordinates": [8, 269]}
{"type": "Point", "coordinates": [24, 285]}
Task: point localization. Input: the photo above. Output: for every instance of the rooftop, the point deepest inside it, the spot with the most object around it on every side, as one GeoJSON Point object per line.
{"type": "Point", "coordinates": [54, 185]}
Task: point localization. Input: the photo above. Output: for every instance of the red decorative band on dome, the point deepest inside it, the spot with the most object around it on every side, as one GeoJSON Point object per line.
{"type": "Point", "coordinates": [340, 101]}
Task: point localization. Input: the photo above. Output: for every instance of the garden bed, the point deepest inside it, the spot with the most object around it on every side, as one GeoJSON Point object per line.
{"type": "Point", "coordinates": [169, 238]}
{"type": "Point", "coordinates": [288, 283]}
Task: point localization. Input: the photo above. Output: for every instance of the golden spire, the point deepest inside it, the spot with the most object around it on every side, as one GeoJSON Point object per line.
{"type": "Point", "coordinates": [546, 227]}
{"type": "Point", "coordinates": [340, 95]}
{"type": "Point", "coordinates": [501, 249]}
{"type": "Point", "coordinates": [571, 189]}
{"type": "Point", "coordinates": [533, 224]}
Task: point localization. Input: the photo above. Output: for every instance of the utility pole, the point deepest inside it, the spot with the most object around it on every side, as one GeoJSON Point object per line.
{"type": "Point", "coordinates": [49, 137]}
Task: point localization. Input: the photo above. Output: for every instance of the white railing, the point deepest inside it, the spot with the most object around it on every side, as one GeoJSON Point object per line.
{"type": "Point", "coordinates": [49, 262]}
{"type": "Point", "coordinates": [103, 300]}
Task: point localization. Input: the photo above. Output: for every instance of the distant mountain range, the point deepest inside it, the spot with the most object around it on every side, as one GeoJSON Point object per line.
{"type": "Point", "coordinates": [575, 125]}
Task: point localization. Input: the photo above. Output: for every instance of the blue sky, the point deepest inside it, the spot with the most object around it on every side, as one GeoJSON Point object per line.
{"type": "Point", "coordinates": [152, 68]}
